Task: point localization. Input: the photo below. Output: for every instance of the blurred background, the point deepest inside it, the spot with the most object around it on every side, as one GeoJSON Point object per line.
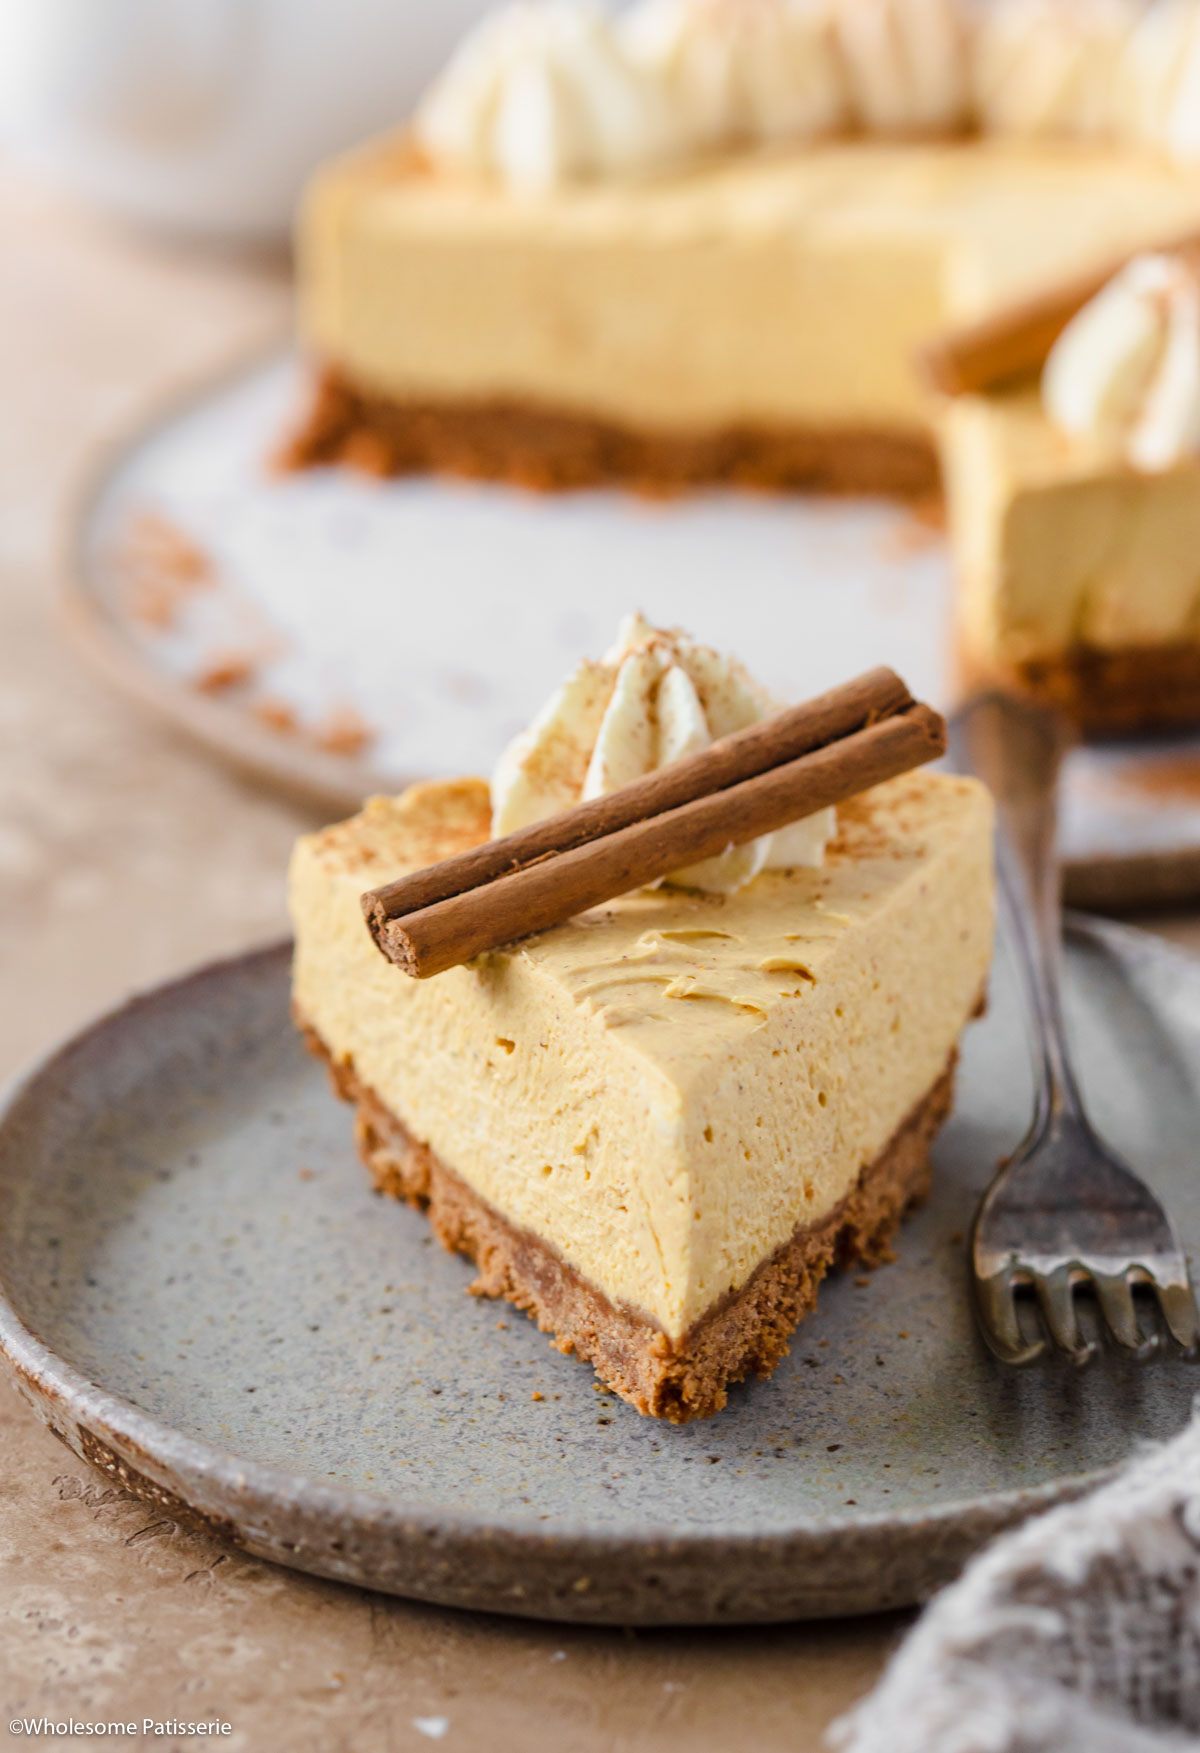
{"type": "Point", "coordinates": [151, 153]}
{"type": "Point", "coordinates": [203, 117]}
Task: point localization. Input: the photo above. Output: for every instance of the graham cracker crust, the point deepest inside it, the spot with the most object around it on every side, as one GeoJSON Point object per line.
{"type": "Point", "coordinates": [1110, 693]}
{"type": "Point", "coordinates": [745, 1334]}
{"type": "Point", "coordinates": [1117, 693]}
{"type": "Point", "coordinates": [552, 450]}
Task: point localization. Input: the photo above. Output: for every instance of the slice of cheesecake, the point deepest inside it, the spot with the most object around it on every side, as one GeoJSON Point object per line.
{"type": "Point", "coordinates": [656, 1128]}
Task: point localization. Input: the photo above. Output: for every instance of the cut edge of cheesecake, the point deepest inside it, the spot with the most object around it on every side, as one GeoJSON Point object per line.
{"type": "Point", "coordinates": [1052, 536]}
{"type": "Point", "coordinates": [747, 1333]}
{"type": "Point", "coordinates": [1119, 693]}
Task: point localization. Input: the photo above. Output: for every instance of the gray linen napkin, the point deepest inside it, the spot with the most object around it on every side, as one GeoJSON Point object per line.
{"type": "Point", "coordinates": [1077, 1633]}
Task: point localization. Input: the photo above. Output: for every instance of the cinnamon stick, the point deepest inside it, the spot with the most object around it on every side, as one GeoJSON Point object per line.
{"type": "Point", "coordinates": [559, 885]}
{"type": "Point", "coordinates": [1015, 342]}
{"type": "Point", "coordinates": [876, 694]}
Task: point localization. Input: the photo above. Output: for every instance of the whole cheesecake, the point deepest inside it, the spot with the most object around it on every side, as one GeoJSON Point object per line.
{"type": "Point", "coordinates": [656, 1126]}
{"type": "Point", "coordinates": [753, 318]}
{"type": "Point", "coordinates": [706, 244]}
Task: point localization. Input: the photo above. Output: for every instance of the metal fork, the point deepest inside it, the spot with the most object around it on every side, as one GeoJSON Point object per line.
{"type": "Point", "coordinates": [1065, 1213]}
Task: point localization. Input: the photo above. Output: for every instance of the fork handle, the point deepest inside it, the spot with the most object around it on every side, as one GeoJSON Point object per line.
{"type": "Point", "coordinates": [1017, 749]}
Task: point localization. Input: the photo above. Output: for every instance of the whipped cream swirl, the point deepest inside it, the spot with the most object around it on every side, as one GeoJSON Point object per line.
{"type": "Point", "coordinates": [907, 63]}
{"type": "Point", "coordinates": [1126, 369]}
{"type": "Point", "coordinates": [744, 70]}
{"type": "Point", "coordinates": [1163, 79]}
{"type": "Point", "coordinates": [545, 93]}
{"type": "Point", "coordinates": [1055, 67]}
{"type": "Point", "coordinates": [654, 698]}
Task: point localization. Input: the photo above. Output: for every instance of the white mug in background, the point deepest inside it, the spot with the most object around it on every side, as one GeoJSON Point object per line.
{"type": "Point", "coordinates": [205, 116]}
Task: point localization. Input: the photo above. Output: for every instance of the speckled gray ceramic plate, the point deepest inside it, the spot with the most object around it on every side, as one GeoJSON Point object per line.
{"type": "Point", "coordinates": [203, 1298]}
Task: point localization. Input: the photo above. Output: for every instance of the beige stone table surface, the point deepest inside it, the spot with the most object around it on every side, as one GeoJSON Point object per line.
{"type": "Point", "coordinates": [108, 1611]}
